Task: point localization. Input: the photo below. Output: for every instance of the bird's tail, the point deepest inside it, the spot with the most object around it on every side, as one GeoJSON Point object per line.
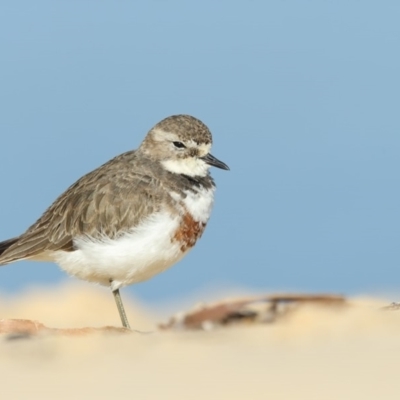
{"type": "Point", "coordinates": [5, 245]}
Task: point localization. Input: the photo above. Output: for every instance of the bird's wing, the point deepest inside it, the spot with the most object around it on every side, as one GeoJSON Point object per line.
{"type": "Point", "coordinates": [107, 201]}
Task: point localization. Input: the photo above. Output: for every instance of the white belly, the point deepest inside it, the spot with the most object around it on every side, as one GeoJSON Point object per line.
{"type": "Point", "coordinates": [137, 255]}
{"type": "Point", "coordinates": [133, 257]}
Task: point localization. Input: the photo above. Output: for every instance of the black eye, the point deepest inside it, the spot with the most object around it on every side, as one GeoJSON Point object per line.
{"type": "Point", "coordinates": [179, 145]}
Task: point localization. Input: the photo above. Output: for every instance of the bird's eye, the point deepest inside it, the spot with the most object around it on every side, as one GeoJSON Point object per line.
{"type": "Point", "coordinates": [179, 145]}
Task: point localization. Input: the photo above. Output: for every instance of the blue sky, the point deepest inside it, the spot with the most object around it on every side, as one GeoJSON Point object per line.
{"type": "Point", "coordinates": [302, 99]}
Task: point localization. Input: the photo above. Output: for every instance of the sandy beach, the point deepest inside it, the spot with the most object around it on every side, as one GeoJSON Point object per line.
{"type": "Point", "coordinates": [315, 351]}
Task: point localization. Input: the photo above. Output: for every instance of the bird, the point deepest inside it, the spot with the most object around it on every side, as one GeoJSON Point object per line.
{"type": "Point", "coordinates": [134, 216]}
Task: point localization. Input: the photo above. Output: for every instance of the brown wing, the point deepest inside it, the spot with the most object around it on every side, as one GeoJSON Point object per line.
{"type": "Point", "coordinates": [6, 244]}
{"type": "Point", "coordinates": [107, 201]}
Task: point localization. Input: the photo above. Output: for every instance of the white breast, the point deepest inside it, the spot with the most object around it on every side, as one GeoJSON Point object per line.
{"type": "Point", "coordinates": [137, 255]}
{"type": "Point", "coordinates": [198, 203]}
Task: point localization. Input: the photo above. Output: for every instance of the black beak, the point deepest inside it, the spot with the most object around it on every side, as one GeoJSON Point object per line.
{"type": "Point", "coordinates": [211, 160]}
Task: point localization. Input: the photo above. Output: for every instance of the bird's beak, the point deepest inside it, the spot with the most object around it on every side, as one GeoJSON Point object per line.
{"type": "Point", "coordinates": [211, 160]}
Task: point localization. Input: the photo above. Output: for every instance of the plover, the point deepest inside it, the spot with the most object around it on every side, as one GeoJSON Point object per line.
{"type": "Point", "coordinates": [134, 216]}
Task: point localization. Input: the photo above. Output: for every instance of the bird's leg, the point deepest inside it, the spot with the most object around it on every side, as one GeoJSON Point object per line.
{"type": "Point", "coordinates": [120, 307]}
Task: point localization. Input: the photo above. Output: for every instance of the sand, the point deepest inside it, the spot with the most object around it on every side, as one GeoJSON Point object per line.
{"type": "Point", "coordinates": [313, 352]}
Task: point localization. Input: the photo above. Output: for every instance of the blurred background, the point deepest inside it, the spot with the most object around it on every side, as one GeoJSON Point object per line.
{"type": "Point", "coordinates": [302, 99]}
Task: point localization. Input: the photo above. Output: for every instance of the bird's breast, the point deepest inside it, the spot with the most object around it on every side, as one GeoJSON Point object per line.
{"type": "Point", "coordinates": [197, 202]}
{"type": "Point", "coordinates": [188, 231]}
{"type": "Point", "coordinates": [195, 207]}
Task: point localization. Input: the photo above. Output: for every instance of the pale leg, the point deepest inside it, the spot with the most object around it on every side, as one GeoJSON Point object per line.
{"type": "Point", "coordinates": [121, 309]}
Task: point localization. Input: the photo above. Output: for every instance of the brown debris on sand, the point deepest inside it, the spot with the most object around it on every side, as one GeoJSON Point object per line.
{"type": "Point", "coordinates": [260, 309]}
